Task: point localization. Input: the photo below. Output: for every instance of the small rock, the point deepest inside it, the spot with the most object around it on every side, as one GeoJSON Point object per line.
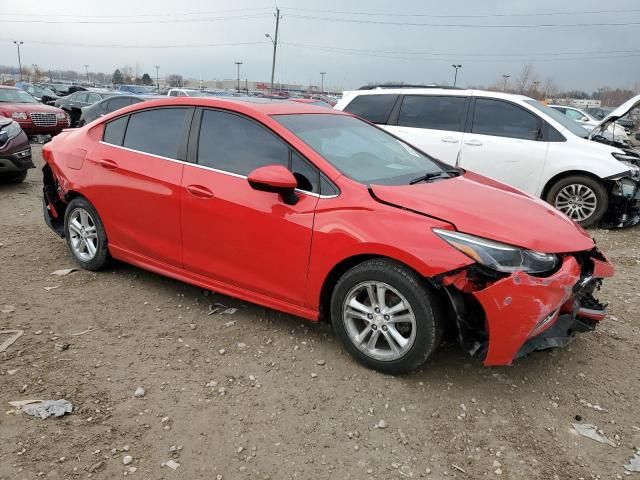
{"type": "Point", "coordinates": [221, 351]}
{"type": "Point", "coordinates": [140, 392]}
{"type": "Point", "coordinates": [61, 346]}
{"type": "Point", "coordinates": [127, 459]}
{"type": "Point", "coordinates": [381, 424]}
{"type": "Point", "coordinates": [173, 465]}
{"type": "Point", "coordinates": [133, 469]}
{"type": "Point", "coordinates": [320, 362]}
{"type": "Point", "coordinates": [498, 471]}
{"type": "Point", "coordinates": [314, 375]}
{"type": "Point", "coordinates": [496, 464]}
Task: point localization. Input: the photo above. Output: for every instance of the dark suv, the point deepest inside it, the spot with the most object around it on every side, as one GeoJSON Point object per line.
{"type": "Point", "coordinates": [15, 152]}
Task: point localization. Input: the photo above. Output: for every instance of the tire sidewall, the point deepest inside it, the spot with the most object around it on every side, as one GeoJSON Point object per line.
{"type": "Point", "coordinates": [597, 188]}
{"type": "Point", "coordinates": [101, 257]}
{"type": "Point", "coordinates": [422, 301]}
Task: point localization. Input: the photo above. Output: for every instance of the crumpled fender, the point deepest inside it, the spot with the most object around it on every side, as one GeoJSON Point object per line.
{"type": "Point", "coordinates": [514, 305]}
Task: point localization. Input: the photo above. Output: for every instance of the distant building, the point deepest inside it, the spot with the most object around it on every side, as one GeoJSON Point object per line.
{"type": "Point", "coordinates": [582, 103]}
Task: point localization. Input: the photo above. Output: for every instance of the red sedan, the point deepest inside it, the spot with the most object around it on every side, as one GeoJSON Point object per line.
{"type": "Point", "coordinates": [320, 214]}
{"type": "Point", "coordinates": [33, 117]}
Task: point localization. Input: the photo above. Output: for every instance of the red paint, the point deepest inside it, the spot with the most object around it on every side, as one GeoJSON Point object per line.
{"type": "Point", "coordinates": [214, 230]}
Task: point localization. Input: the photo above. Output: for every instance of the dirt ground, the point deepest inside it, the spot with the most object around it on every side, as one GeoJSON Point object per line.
{"type": "Point", "coordinates": [263, 395]}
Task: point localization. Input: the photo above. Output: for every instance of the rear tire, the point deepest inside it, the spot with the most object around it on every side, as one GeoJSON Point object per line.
{"type": "Point", "coordinates": [15, 178]}
{"type": "Point", "coordinates": [581, 198]}
{"type": "Point", "coordinates": [397, 330]}
{"type": "Point", "coordinates": [85, 235]}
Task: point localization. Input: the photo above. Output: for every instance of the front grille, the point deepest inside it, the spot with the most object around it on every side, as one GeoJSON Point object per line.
{"type": "Point", "coordinates": [42, 119]}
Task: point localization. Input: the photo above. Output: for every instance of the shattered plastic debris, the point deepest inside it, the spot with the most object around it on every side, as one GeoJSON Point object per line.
{"type": "Point", "coordinates": [48, 408]}
{"type": "Point", "coordinates": [15, 335]}
{"type": "Point", "coordinates": [53, 287]}
{"type": "Point", "coordinates": [229, 311]}
{"type": "Point", "coordinates": [634, 463]}
{"type": "Point", "coordinates": [591, 431]}
{"type": "Point", "coordinates": [173, 465]}
{"type": "Point", "coordinates": [64, 271]}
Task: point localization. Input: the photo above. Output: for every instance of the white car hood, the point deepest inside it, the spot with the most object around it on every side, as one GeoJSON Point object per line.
{"type": "Point", "coordinates": [617, 113]}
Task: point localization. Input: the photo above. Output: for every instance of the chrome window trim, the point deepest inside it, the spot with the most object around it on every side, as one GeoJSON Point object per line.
{"type": "Point", "coordinates": [204, 167]}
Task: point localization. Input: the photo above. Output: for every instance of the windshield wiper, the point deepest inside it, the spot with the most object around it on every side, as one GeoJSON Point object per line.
{"type": "Point", "coordinates": [435, 175]}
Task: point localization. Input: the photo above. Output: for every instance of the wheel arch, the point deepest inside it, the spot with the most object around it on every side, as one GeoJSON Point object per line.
{"type": "Point", "coordinates": [569, 173]}
{"type": "Point", "coordinates": [341, 268]}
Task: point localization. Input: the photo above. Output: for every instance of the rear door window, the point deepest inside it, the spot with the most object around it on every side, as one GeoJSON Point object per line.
{"type": "Point", "coordinates": [433, 111]}
{"type": "Point", "coordinates": [375, 108]}
{"type": "Point", "coordinates": [235, 144]}
{"type": "Point", "coordinates": [116, 103]}
{"type": "Point", "coordinates": [504, 119]}
{"type": "Point", "coordinates": [158, 131]}
{"type": "Point", "coordinates": [114, 131]}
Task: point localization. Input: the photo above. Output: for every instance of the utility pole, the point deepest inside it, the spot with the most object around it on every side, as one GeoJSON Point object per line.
{"type": "Point", "coordinates": [86, 69]}
{"type": "Point", "coordinates": [157, 78]}
{"type": "Point", "coordinates": [504, 86]}
{"type": "Point", "coordinates": [238, 86]}
{"type": "Point", "coordinates": [322, 74]}
{"type": "Point", "coordinates": [274, 40]}
{"type": "Point", "coordinates": [17, 44]}
{"type": "Point", "coordinates": [35, 72]}
{"type": "Point", "coordinates": [455, 77]}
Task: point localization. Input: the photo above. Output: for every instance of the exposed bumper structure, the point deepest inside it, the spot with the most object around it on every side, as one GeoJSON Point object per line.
{"type": "Point", "coordinates": [508, 318]}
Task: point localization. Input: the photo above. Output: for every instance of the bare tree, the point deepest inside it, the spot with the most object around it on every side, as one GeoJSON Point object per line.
{"type": "Point", "coordinates": [550, 89]}
{"type": "Point", "coordinates": [526, 80]}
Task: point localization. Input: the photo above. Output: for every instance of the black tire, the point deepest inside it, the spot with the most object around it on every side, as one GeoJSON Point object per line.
{"type": "Point", "coordinates": [15, 178]}
{"type": "Point", "coordinates": [601, 195]}
{"type": "Point", "coordinates": [101, 257]}
{"type": "Point", "coordinates": [429, 321]}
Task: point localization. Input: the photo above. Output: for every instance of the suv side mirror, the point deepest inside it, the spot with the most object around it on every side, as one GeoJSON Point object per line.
{"type": "Point", "coordinates": [275, 179]}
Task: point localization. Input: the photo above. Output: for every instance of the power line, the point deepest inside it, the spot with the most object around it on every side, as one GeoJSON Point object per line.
{"type": "Point", "coordinates": [486, 15]}
{"type": "Point", "coordinates": [139, 15]}
{"type": "Point", "coordinates": [193, 45]}
{"type": "Point", "coordinates": [155, 21]}
{"type": "Point", "coordinates": [463, 25]}
{"type": "Point", "coordinates": [461, 54]}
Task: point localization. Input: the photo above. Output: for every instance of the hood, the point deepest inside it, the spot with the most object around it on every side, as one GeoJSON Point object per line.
{"type": "Point", "coordinates": [617, 113]}
{"type": "Point", "coordinates": [480, 206]}
{"type": "Point", "coordinates": [27, 107]}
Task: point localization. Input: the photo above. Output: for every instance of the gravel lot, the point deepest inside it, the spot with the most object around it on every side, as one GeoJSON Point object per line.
{"type": "Point", "coordinates": [259, 394]}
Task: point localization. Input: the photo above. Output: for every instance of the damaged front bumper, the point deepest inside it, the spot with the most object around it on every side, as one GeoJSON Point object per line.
{"type": "Point", "coordinates": [624, 202]}
{"type": "Point", "coordinates": [503, 319]}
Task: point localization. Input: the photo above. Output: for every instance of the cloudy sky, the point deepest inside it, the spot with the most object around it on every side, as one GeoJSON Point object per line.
{"type": "Point", "coordinates": [581, 44]}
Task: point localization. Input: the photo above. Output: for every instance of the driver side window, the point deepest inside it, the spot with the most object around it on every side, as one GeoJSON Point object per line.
{"type": "Point", "coordinates": [504, 119]}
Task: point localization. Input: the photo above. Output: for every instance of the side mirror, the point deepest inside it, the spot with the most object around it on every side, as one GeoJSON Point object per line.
{"type": "Point", "coordinates": [275, 179]}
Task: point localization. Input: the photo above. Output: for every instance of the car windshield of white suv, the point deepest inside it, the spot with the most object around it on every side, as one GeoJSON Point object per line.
{"type": "Point", "coordinates": [9, 95]}
{"type": "Point", "coordinates": [561, 118]}
{"type": "Point", "coordinates": [361, 151]}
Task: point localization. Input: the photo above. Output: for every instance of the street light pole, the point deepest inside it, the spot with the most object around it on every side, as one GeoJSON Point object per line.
{"type": "Point", "coordinates": [18, 43]}
{"type": "Point", "coordinates": [504, 86]}
{"type": "Point", "coordinates": [157, 78]}
{"type": "Point", "coordinates": [35, 72]}
{"type": "Point", "coordinates": [238, 65]}
{"type": "Point", "coordinates": [274, 40]}
{"type": "Point", "coordinates": [86, 69]}
{"type": "Point", "coordinates": [455, 77]}
{"type": "Point", "coordinates": [322, 74]}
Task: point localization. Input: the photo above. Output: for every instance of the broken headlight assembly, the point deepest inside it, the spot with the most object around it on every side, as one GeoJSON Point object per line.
{"type": "Point", "coordinates": [499, 256]}
{"type": "Point", "coordinates": [625, 188]}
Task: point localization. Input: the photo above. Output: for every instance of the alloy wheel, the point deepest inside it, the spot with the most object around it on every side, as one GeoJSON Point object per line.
{"type": "Point", "coordinates": [83, 235]}
{"type": "Point", "coordinates": [379, 320]}
{"type": "Point", "coordinates": [577, 201]}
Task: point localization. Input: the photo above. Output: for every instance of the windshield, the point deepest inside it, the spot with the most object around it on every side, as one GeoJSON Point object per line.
{"type": "Point", "coordinates": [43, 91]}
{"type": "Point", "coordinates": [359, 150]}
{"type": "Point", "coordinates": [15, 96]}
{"type": "Point", "coordinates": [571, 125]}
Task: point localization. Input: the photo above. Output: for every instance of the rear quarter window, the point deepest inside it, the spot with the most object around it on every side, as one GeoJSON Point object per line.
{"type": "Point", "coordinates": [114, 131]}
{"type": "Point", "coordinates": [375, 108]}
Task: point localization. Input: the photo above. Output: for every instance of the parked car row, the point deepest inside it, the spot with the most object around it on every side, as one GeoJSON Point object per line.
{"type": "Point", "coordinates": [335, 218]}
{"type": "Point", "coordinates": [518, 141]}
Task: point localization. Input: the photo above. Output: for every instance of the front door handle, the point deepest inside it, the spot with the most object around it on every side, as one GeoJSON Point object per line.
{"type": "Point", "coordinates": [199, 191]}
{"type": "Point", "coordinates": [108, 164]}
{"type": "Point", "coordinates": [449, 140]}
{"type": "Point", "coordinates": [473, 143]}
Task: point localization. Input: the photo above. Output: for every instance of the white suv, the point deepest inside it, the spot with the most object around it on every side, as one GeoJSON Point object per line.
{"type": "Point", "coordinates": [513, 139]}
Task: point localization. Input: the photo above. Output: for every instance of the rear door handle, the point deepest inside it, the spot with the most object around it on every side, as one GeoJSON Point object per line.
{"type": "Point", "coordinates": [449, 140]}
{"type": "Point", "coordinates": [473, 143]}
{"type": "Point", "coordinates": [109, 164]}
{"type": "Point", "coordinates": [199, 191]}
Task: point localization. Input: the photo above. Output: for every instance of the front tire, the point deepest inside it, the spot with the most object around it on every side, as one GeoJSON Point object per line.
{"type": "Point", "coordinates": [85, 235]}
{"type": "Point", "coordinates": [386, 317]}
{"type": "Point", "coordinates": [581, 198]}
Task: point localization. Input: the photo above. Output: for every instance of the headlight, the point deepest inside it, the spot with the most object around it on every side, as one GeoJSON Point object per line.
{"type": "Point", "coordinates": [625, 158]}
{"type": "Point", "coordinates": [12, 130]}
{"type": "Point", "coordinates": [19, 115]}
{"type": "Point", "coordinates": [498, 256]}
{"type": "Point", "coordinates": [61, 116]}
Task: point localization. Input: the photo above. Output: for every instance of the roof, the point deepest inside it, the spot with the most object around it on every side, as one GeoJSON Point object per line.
{"type": "Point", "coordinates": [265, 106]}
{"type": "Point", "coordinates": [435, 90]}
